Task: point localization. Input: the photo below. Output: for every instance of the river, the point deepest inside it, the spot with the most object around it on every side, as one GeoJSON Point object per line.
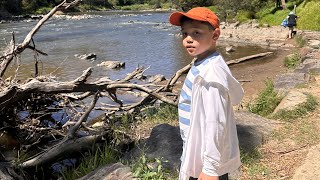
{"type": "Point", "coordinates": [138, 39]}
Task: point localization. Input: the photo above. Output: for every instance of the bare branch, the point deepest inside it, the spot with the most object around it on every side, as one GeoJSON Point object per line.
{"type": "Point", "coordinates": [83, 118]}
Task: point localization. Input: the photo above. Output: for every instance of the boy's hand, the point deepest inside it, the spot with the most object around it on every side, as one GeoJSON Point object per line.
{"type": "Point", "coordinates": [203, 176]}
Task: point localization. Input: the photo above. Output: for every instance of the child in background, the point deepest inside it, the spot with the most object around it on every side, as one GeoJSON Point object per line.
{"type": "Point", "coordinates": [207, 123]}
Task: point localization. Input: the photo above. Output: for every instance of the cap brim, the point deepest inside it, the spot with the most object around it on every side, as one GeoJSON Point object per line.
{"type": "Point", "coordinates": [175, 18]}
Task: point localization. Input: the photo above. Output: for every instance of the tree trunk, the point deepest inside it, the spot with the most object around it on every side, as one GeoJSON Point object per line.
{"type": "Point", "coordinates": [283, 2]}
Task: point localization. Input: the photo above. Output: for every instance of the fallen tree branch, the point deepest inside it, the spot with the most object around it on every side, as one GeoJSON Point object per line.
{"type": "Point", "coordinates": [235, 61]}
{"type": "Point", "coordinates": [176, 76]}
{"type": "Point", "coordinates": [62, 150]}
{"type": "Point", "coordinates": [84, 117]}
{"type": "Point", "coordinates": [8, 55]}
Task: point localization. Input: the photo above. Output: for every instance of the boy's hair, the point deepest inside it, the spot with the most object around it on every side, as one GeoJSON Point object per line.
{"type": "Point", "coordinates": [185, 19]}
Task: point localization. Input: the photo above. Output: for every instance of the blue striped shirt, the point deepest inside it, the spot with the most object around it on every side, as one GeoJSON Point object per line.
{"type": "Point", "coordinates": [184, 106]}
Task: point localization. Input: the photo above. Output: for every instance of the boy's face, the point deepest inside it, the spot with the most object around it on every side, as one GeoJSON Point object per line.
{"type": "Point", "coordinates": [198, 39]}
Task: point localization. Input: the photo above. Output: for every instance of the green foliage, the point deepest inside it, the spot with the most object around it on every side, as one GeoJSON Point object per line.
{"type": "Point", "coordinates": [300, 111]}
{"type": "Point", "coordinates": [43, 10]}
{"type": "Point", "coordinates": [244, 16]}
{"type": "Point", "coordinates": [266, 102]}
{"type": "Point", "coordinates": [164, 114]}
{"type": "Point", "coordinates": [292, 61]}
{"type": "Point", "coordinates": [142, 170]}
{"type": "Point", "coordinates": [90, 162]}
{"type": "Point", "coordinates": [300, 40]}
{"type": "Point", "coordinates": [274, 19]}
{"type": "Point", "coordinates": [309, 16]}
{"type": "Point", "coordinates": [135, 7]}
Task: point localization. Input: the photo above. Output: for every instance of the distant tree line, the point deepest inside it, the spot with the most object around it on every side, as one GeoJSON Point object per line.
{"type": "Point", "coordinates": [224, 6]}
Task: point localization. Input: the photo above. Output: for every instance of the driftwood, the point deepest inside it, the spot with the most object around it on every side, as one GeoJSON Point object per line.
{"type": "Point", "coordinates": [13, 49]}
{"type": "Point", "coordinates": [235, 61]}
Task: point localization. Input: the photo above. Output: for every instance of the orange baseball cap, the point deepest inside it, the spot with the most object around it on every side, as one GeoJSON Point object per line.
{"type": "Point", "coordinates": [198, 13]}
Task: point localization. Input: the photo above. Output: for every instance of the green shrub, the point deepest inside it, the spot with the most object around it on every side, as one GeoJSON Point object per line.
{"type": "Point", "coordinates": [292, 61]}
{"type": "Point", "coordinates": [300, 111]}
{"type": "Point", "coordinates": [43, 10]}
{"type": "Point", "coordinates": [266, 102]}
{"type": "Point", "coordinates": [136, 7]}
{"type": "Point", "coordinates": [309, 16]}
{"type": "Point", "coordinates": [300, 40]}
{"type": "Point", "coordinates": [142, 170]}
{"type": "Point", "coordinates": [274, 19]}
{"type": "Point", "coordinates": [244, 16]}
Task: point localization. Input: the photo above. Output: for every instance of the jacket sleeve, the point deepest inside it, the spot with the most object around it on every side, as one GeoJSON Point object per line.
{"type": "Point", "coordinates": [215, 103]}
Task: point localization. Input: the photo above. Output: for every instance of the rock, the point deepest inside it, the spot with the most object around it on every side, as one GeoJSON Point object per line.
{"type": "Point", "coordinates": [112, 64]}
{"type": "Point", "coordinates": [229, 49]}
{"type": "Point", "coordinates": [234, 25]}
{"type": "Point", "coordinates": [290, 80]}
{"type": "Point", "coordinates": [309, 66]}
{"type": "Point", "coordinates": [110, 172]}
{"type": "Point", "coordinates": [291, 101]}
{"type": "Point", "coordinates": [156, 78]}
{"type": "Point", "coordinates": [253, 129]}
{"type": "Point", "coordinates": [90, 56]}
{"type": "Point", "coordinates": [314, 44]}
{"type": "Point", "coordinates": [164, 142]}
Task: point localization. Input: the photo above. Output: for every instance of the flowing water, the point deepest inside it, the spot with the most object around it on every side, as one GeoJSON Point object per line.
{"type": "Point", "coordinates": [138, 39]}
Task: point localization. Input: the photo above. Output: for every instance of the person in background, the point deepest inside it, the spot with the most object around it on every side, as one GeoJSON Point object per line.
{"type": "Point", "coordinates": [206, 118]}
{"type": "Point", "coordinates": [292, 22]}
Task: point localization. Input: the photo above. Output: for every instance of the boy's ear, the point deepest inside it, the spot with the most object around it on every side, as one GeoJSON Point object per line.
{"type": "Point", "coordinates": [216, 34]}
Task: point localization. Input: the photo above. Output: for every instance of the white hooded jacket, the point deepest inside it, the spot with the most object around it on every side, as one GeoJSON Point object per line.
{"type": "Point", "coordinates": [212, 143]}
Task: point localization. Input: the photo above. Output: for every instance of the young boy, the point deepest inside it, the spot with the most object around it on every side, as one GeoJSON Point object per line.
{"type": "Point", "coordinates": [207, 124]}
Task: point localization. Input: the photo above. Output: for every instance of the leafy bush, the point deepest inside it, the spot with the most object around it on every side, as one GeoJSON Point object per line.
{"type": "Point", "coordinates": [143, 170]}
{"type": "Point", "coordinates": [266, 102]}
{"type": "Point", "coordinates": [244, 16]}
{"type": "Point", "coordinates": [309, 16]}
{"type": "Point", "coordinates": [274, 19]}
{"type": "Point", "coordinates": [300, 40]}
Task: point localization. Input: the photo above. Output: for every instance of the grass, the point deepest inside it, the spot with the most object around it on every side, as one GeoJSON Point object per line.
{"type": "Point", "coordinates": [164, 114]}
{"type": "Point", "coordinates": [266, 102]}
{"type": "Point", "coordinates": [292, 61]}
{"type": "Point", "coordinates": [252, 167]}
{"type": "Point", "coordinates": [244, 16]}
{"type": "Point", "coordinates": [300, 40]}
{"type": "Point", "coordinates": [309, 16]}
{"type": "Point", "coordinates": [300, 111]}
{"type": "Point", "coordinates": [90, 162]}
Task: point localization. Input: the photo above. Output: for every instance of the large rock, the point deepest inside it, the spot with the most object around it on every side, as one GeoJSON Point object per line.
{"type": "Point", "coordinates": [253, 129]}
{"type": "Point", "coordinates": [112, 64]}
{"type": "Point", "coordinates": [314, 44]}
{"type": "Point", "coordinates": [110, 172]}
{"type": "Point", "coordinates": [90, 56]}
{"type": "Point", "coordinates": [309, 66]}
{"type": "Point", "coordinates": [164, 142]}
{"type": "Point", "coordinates": [291, 101]}
{"type": "Point", "coordinates": [290, 80]}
